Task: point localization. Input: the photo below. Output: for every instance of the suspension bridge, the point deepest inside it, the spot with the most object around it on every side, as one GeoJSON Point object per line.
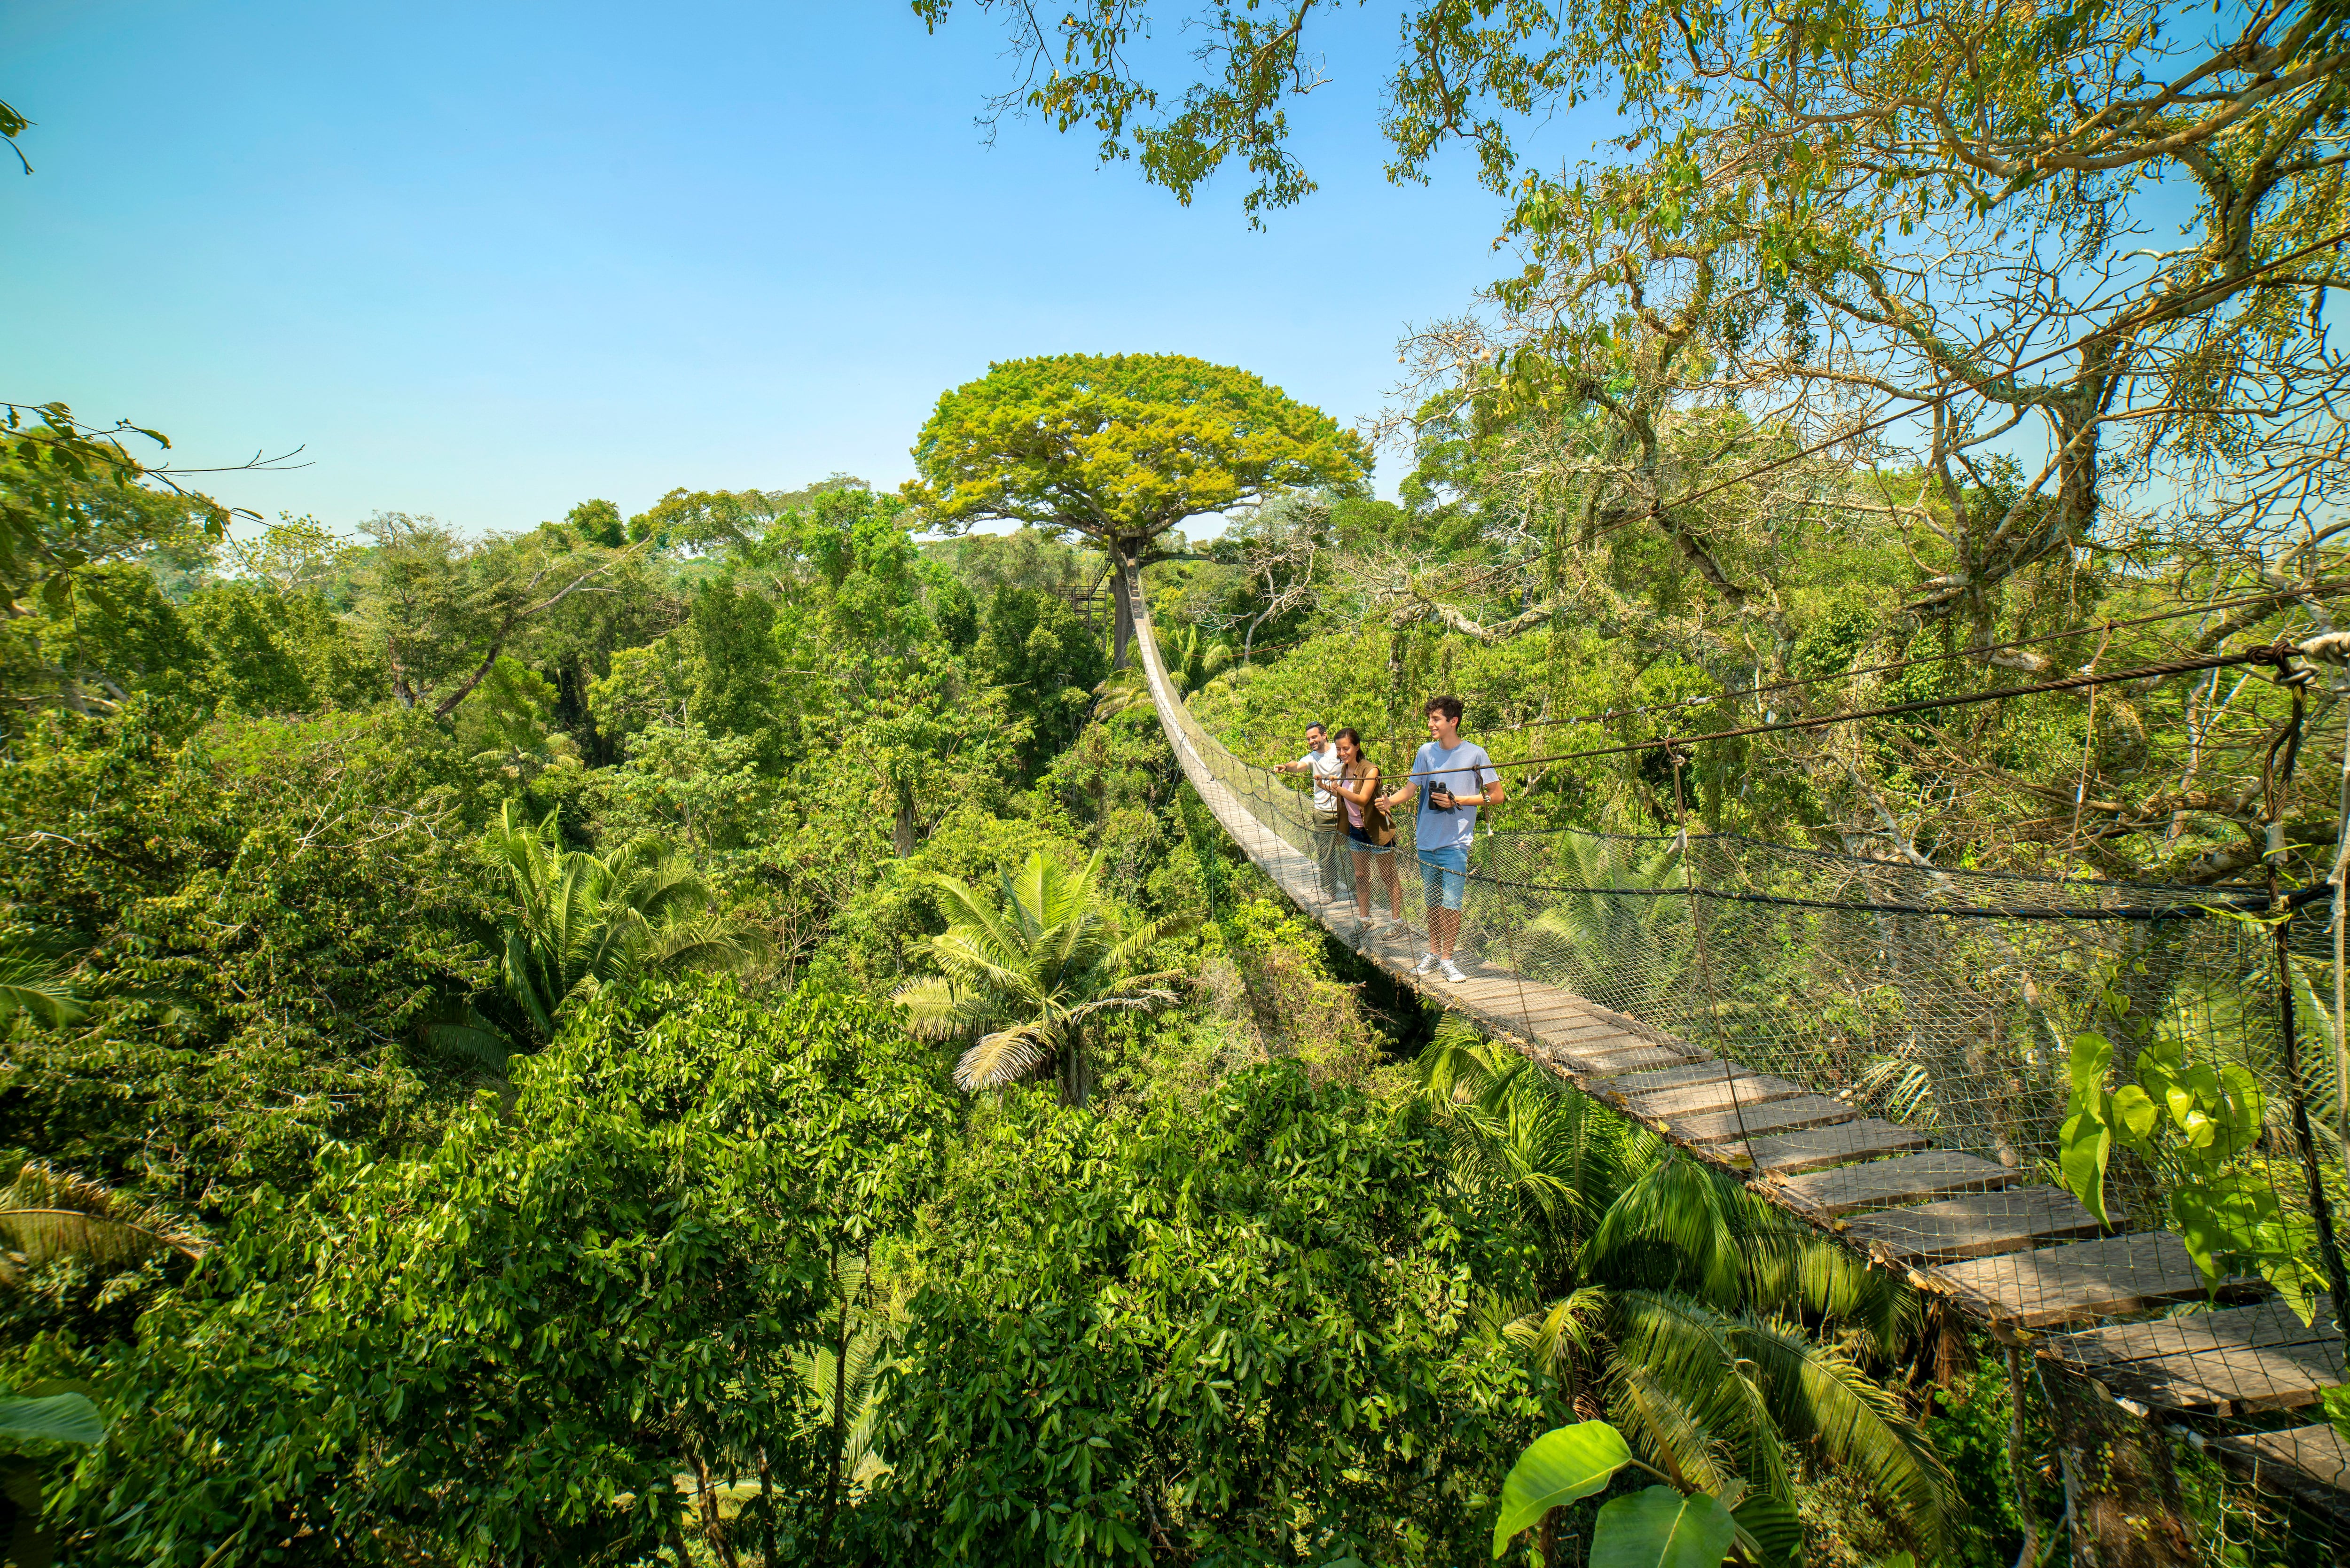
{"type": "Point", "coordinates": [1878, 1048]}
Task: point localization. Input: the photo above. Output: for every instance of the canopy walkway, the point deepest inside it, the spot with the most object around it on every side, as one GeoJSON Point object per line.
{"type": "Point", "coordinates": [1879, 1049]}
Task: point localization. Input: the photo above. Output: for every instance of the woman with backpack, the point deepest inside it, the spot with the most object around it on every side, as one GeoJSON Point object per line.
{"type": "Point", "coordinates": [1371, 833]}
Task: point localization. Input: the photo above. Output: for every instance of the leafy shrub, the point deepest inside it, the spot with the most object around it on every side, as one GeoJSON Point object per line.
{"type": "Point", "coordinates": [1245, 1328]}
{"type": "Point", "coordinates": [510, 1348]}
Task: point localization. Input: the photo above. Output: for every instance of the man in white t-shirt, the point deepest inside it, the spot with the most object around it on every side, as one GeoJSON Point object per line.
{"type": "Point", "coordinates": [1452, 777]}
{"type": "Point", "coordinates": [1321, 760]}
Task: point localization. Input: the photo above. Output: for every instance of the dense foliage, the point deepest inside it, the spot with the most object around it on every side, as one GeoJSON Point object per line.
{"type": "Point", "coordinates": [485, 1025]}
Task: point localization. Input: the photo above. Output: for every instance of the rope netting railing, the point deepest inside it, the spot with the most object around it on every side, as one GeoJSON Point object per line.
{"type": "Point", "coordinates": [1940, 1064]}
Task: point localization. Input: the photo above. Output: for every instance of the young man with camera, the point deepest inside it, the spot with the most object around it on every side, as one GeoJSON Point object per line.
{"type": "Point", "coordinates": [1451, 776]}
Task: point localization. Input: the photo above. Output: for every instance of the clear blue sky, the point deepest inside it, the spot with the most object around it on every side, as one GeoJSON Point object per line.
{"type": "Point", "coordinates": [486, 261]}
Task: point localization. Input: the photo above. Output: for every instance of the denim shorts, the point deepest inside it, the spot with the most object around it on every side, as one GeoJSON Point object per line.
{"type": "Point", "coordinates": [1360, 842]}
{"type": "Point", "coordinates": [1444, 875]}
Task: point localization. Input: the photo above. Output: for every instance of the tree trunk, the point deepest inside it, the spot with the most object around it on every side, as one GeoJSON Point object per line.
{"type": "Point", "coordinates": [1122, 595]}
{"type": "Point", "coordinates": [2124, 1492]}
{"type": "Point", "coordinates": [766, 1511]}
{"type": "Point", "coordinates": [903, 828]}
{"type": "Point", "coordinates": [713, 1529]}
{"type": "Point", "coordinates": [834, 1482]}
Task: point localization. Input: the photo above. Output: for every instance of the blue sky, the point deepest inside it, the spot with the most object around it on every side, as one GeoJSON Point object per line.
{"type": "Point", "coordinates": [487, 261]}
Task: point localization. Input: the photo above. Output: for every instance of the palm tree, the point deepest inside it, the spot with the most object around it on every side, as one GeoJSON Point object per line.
{"type": "Point", "coordinates": [1714, 1330]}
{"type": "Point", "coordinates": [1033, 980]}
{"type": "Point", "coordinates": [1125, 689]}
{"type": "Point", "coordinates": [579, 922]}
{"type": "Point", "coordinates": [1192, 660]}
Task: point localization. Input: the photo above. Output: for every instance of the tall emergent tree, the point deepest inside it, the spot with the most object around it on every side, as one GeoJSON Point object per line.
{"type": "Point", "coordinates": [1121, 447]}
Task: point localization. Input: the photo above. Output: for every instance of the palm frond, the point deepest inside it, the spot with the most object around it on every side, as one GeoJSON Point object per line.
{"type": "Point", "coordinates": [530, 985]}
{"type": "Point", "coordinates": [34, 983]}
{"type": "Point", "coordinates": [47, 1214]}
{"type": "Point", "coordinates": [968, 909]}
{"type": "Point", "coordinates": [1694, 1352]}
{"type": "Point", "coordinates": [661, 887]}
{"type": "Point", "coordinates": [935, 1010]}
{"type": "Point", "coordinates": [1874, 1307]}
{"type": "Point", "coordinates": [699, 941]}
{"type": "Point", "coordinates": [1455, 1065]}
{"type": "Point", "coordinates": [468, 1036]}
{"type": "Point", "coordinates": [1121, 955]}
{"type": "Point", "coordinates": [968, 962]}
{"type": "Point", "coordinates": [1660, 1423]}
{"type": "Point", "coordinates": [1004, 1057]}
{"type": "Point", "coordinates": [1569, 1327]}
{"type": "Point", "coordinates": [1676, 1222]}
{"type": "Point", "coordinates": [1025, 894]}
{"type": "Point", "coordinates": [1818, 1396]}
{"type": "Point", "coordinates": [1141, 1001]}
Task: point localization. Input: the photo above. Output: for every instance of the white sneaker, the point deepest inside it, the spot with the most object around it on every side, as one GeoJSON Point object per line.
{"type": "Point", "coordinates": [1450, 970]}
{"type": "Point", "coordinates": [1427, 965]}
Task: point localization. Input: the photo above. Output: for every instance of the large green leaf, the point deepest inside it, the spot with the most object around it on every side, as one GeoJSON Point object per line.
{"type": "Point", "coordinates": [1557, 1467]}
{"type": "Point", "coordinates": [57, 1419]}
{"type": "Point", "coordinates": [1660, 1528]}
{"type": "Point", "coordinates": [2091, 1054]}
{"type": "Point", "coordinates": [2134, 1116]}
{"type": "Point", "coordinates": [2083, 1144]}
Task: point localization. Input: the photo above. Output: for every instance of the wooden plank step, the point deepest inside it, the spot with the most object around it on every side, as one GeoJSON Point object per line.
{"type": "Point", "coordinates": [1596, 1047]}
{"type": "Point", "coordinates": [1647, 1031]}
{"type": "Point", "coordinates": [1978, 1225]}
{"type": "Point", "coordinates": [1545, 1017]}
{"type": "Point", "coordinates": [1599, 1045]}
{"type": "Point", "coordinates": [1934, 1174]}
{"type": "Point", "coordinates": [1786, 1154]}
{"type": "Point", "coordinates": [1635, 1057]}
{"type": "Point", "coordinates": [1666, 1077]}
{"type": "Point", "coordinates": [2314, 1456]}
{"type": "Point", "coordinates": [1779, 1116]}
{"type": "Point", "coordinates": [1581, 1025]}
{"type": "Point", "coordinates": [2082, 1280]}
{"type": "Point", "coordinates": [2230, 1382]}
{"type": "Point", "coordinates": [2266, 1323]}
{"type": "Point", "coordinates": [1731, 1087]}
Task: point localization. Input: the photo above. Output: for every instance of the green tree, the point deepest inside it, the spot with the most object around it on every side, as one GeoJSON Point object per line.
{"type": "Point", "coordinates": [575, 923]}
{"type": "Point", "coordinates": [72, 497]}
{"type": "Point", "coordinates": [1035, 979]}
{"type": "Point", "coordinates": [115, 635]}
{"type": "Point", "coordinates": [1121, 447]}
{"type": "Point", "coordinates": [444, 609]}
{"type": "Point", "coordinates": [1240, 1329]}
{"type": "Point", "coordinates": [1050, 662]}
{"type": "Point", "coordinates": [736, 686]}
{"type": "Point", "coordinates": [281, 650]}
{"type": "Point", "coordinates": [294, 556]}
{"type": "Point", "coordinates": [510, 1344]}
{"type": "Point", "coordinates": [182, 881]}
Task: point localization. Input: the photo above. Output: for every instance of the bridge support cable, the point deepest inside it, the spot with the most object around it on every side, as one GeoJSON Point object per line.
{"type": "Point", "coordinates": [1888, 1050]}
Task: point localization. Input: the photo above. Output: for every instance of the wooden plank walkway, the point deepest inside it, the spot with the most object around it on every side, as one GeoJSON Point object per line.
{"type": "Point", "coordinates": [2020, 1259]}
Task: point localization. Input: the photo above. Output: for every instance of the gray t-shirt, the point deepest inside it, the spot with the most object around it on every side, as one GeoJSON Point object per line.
{"type": "Point", "coordinates": [1465, 770]}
